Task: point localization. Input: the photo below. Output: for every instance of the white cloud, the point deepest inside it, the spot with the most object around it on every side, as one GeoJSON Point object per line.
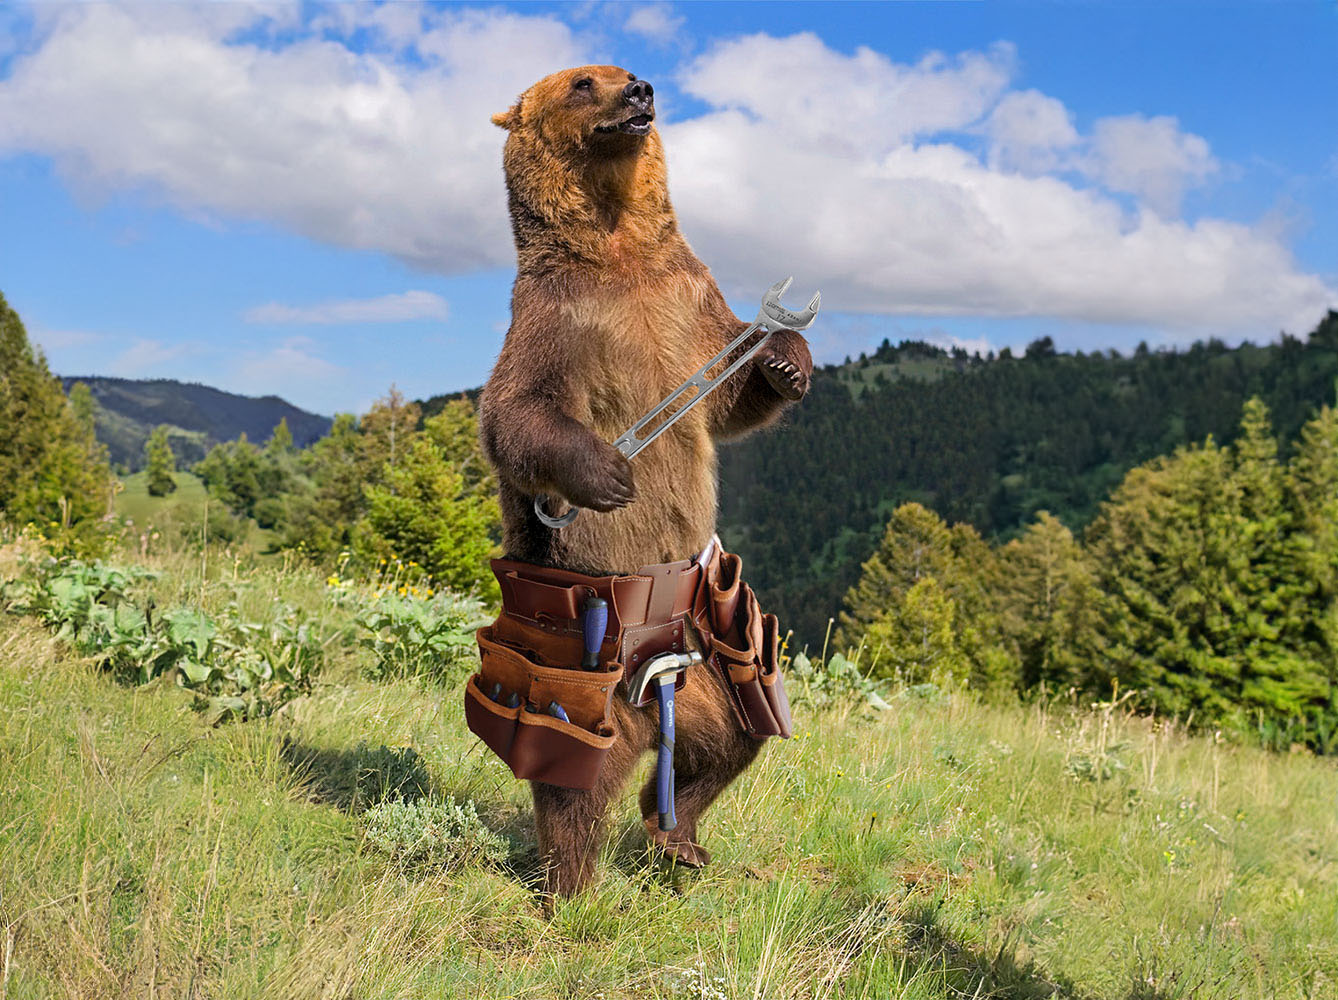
{"type": "Point", "coordinates": [1030, 132]}
{"type": "Point", "coordinates": [277, 370]}
{"type": "Point", "coordinates": [848, 169]}
{"type": "Point", "coordinates": [655, 22]}
{"type": "Point", "coordinates": [1149, 158]}
{"type": "Point", "coordinates": [145, 355]}
{"type": "Point", "coordinates": [849, 202]}
{"type": "Point", "coordinates": [863, 103]}
{"type": "Point", "coordinates": [382, 309]}
{"type": "Point", "coordinates": [348, 148]}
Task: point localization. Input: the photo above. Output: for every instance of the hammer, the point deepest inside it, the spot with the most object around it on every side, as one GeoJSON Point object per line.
{"type": "Point", "coordinates": [662, 671]}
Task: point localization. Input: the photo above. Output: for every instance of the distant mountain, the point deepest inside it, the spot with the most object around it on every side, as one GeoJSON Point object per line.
{"type": "Point", "coordinates": [199, 417]}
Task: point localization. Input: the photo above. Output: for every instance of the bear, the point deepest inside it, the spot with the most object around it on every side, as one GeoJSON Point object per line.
{"type": "Point", "coordinates": [610, 311]}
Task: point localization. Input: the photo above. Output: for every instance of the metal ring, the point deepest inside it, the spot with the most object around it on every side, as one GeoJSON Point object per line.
{"type": "Point", "coordinates": [548, 519]}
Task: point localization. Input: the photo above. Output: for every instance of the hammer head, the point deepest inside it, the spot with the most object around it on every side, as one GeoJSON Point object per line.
{"type": "Point", "coordinates": [664, 668]}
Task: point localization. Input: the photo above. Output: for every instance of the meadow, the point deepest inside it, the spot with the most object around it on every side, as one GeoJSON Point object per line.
{"type": "Point", "coordinates": [358, 842]}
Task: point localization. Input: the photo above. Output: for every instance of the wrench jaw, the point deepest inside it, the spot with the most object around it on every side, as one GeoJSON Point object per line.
{"type": "Point", "coordinates": [775, 316]}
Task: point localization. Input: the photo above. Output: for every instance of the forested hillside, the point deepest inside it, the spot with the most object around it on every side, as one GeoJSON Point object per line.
{"type": "Point", "coordinates": [986, 442]}
{"type": "Point", "coordinates": [197, 416]}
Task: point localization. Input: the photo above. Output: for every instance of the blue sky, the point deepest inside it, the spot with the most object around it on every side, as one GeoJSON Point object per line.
{"type": "Point", "coordinates": [308, 201]}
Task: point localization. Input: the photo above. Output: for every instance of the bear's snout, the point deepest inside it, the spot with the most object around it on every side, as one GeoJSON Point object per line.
{"type": "Point", "coordinates": [639, 93]}
{"type": "Point", "coordinates": [638, 105]}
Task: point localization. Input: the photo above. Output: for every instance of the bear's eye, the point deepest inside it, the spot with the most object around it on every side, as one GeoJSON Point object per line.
{"type": "Point", "coordinates": [585, 83]}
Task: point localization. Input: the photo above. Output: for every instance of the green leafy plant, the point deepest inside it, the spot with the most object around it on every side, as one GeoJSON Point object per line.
{"type": "Point", "coordinates": [410, 636]}
{"type": "Point", "coordinates": [833, 679]}
{"type": "Point", "coordinates": [236, 667]}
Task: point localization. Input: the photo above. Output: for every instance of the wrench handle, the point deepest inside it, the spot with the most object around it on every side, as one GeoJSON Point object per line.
{"type": "Point", "coordinates": [553, 522]}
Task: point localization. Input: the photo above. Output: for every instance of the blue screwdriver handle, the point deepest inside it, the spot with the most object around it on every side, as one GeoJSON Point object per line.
{"type": "Point", "coordinates": [594, 623]}
{"type": "Point", "coordinates": [664, 763]}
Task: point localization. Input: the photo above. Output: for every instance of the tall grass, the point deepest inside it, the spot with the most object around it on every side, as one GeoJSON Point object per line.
{"type": "Point", "coordinates": [943, 848]}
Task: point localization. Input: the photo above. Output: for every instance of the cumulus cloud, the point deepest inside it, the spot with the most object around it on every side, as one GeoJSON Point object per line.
{"type": "Point", "coordinates": [863, 103]}
{"type": "Point", "coordinates": [655, 22]}
{"type": "Point", "coordinates": [352, 148]}
{"type": "Point", "coordinates": [1030, 132]}
{"type": "Point", "coordinates": [293, 362]}
{"type": "Point", "coordinates": [382, 309]}
{"type": "Point", "coordinates": [919, 224]}
{"type": "Point", "coordinates": [857, 173]}
{"type": "Point", "coordinates": [1149, 158]}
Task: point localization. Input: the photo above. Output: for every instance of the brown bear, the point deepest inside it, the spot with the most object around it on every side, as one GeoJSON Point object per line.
{"type": "Point", "coordinates": [611, 310]}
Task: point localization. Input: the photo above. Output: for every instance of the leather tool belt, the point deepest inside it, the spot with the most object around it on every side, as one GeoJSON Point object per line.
{"type": "Point", "coordinates": [530, 657]}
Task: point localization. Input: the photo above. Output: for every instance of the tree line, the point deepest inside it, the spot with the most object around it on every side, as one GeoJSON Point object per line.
{"type": "Point", "coordinates": [989, 441]}
{"type": "Point", "coordinates": [1207, 583]}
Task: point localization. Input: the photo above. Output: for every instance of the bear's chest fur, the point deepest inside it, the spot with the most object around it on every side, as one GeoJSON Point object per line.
{"type": "Point", "coordinates": [631, 344]}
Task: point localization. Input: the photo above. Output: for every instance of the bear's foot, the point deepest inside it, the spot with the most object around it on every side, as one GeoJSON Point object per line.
{"type": "Point", "coordinates": [682, 849]}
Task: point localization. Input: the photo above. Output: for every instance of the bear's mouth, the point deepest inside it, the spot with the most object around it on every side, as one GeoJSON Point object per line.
{"type": "Point", "coordinates": [636, 125]}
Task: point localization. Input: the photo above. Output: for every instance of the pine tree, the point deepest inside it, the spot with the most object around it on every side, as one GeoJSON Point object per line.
{"type": "Point", "coordinates": [1047, 598]}
{"type": "Point", "coordinates": [281, 439]}
{"type": "Point", "coordinates": [1267, 582]}
{"type": "Point", "coordinates": [927, 582]}
{"type": "Point", "coordinates": [1204, 592]}
{"type": "Point", "coordinates": [53, 472]}
{"type": "Point", "coordinates": [160, 463]}
{"type": "Point", "coordinates": [1312, 478]}
{"type": "Point", "coordinates": [423, 512]}
{"type": "Point", "coordinates": [1162, 547]}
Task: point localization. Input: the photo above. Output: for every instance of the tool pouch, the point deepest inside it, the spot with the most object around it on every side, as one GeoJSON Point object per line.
{"type": "Point", "coordinates": [745, 652]}
{"type": "Point", "coordinates": [535, 744]}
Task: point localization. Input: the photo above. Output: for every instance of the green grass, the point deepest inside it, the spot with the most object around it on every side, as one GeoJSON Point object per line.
{"type": "Point", "coordinates": [946, 848]}
{"type": "Point", "coordinates": [135, 502]}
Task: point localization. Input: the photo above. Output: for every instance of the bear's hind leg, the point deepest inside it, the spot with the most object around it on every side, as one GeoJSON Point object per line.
{"type": "Point", "coordinates": [570, 822]}
{"type": "Point", "coordinates": [710, 751]}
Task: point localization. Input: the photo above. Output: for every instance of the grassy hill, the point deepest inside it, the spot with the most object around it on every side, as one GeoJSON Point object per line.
{"type": "Point", "coordinates": [987, 442]}
{"type": "Point", "coordinates": [199, 417]}
{"type": "Point", "coordinates": [942, 848]}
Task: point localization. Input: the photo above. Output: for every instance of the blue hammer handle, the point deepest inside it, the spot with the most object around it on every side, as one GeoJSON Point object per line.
{"type": "Point", "coordinates": [664, 764]}
{"type": "Point", "coordinates": [594, 623]}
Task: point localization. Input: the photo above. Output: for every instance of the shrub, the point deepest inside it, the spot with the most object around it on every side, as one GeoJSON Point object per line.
{"type": "Point", "coordinates": [433, 835]}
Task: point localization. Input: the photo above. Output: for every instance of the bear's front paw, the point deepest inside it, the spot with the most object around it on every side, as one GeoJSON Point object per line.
{"type": "Point", "coordinates": [789, 380]}
{"type": "Point", "coordinates": [599, 480]}
{"type": "Point", "coordinates": [787, 364]}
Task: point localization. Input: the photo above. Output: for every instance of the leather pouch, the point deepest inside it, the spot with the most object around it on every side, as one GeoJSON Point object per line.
{"type": "Point", "coordinates": [745, 652]}
{"type": "Point", "coordinates": [535, 744]}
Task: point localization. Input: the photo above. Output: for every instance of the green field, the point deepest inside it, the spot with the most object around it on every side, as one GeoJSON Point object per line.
{"type": "Point", "coordinates": [134, 502]}
{"type": "Point", "coordinates": [942, 848]}
{"type": "Point", "coordinates": [180, 511]}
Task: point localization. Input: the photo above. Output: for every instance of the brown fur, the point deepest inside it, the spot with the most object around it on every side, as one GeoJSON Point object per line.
{"type": "Point", "coordinates": [611, 310]}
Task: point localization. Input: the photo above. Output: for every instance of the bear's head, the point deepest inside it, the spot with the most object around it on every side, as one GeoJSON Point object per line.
{"type": "Point", "coordinates": [582, 160]}
{"type": "Point", "coordinates": [603, 111]}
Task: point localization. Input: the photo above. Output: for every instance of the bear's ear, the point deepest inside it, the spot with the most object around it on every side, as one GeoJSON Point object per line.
{"type": "Point", "coordinates": [509, 119]}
